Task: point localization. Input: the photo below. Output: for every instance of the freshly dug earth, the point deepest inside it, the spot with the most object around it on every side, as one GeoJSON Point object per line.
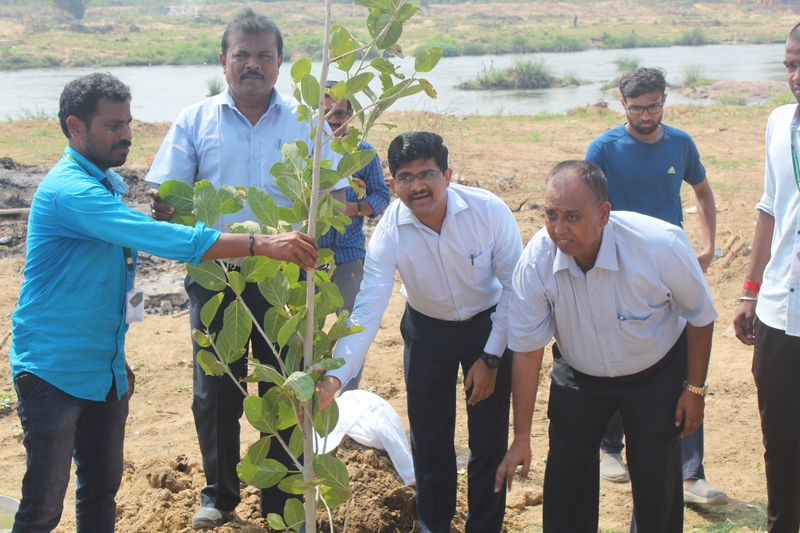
{"type": "Point", "coordinates": [158, 496]}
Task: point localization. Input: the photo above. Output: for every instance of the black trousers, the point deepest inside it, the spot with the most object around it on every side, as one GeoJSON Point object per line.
{"type": "Point", "coordinates": [217, 408]}
{"type": "Point", "coordinates": [434, 349]}
{"type": "Point", "coordinates": [579, 410]}
{"type": "Point", "coordinates": [776, 369]}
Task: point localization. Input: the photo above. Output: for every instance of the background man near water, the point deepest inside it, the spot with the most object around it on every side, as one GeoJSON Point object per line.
{"type": "Point", "coordinates": [232, 138]}
{"type": "Point", "coordinates": [627, 303]}
{"type": "Point", "coordinates": [349, 247]}
{"type": "Point", "coordinates": [768, 315]}
{"type": "Point", "coordinates": [646, 162]}
{"type": "Point", "coordinates": [67, 354]}
{"type": "Point", "coordinates": [455, 248]}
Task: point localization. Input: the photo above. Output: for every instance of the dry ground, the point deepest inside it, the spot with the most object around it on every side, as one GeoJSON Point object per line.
{"type": "Point", "coordinates": [509, 156]}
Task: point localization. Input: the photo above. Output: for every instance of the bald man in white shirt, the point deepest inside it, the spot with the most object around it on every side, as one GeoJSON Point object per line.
{"type": "Point", "coordinates": [632, 314]}
{"type": "Point", "coordinates": [455, 249]}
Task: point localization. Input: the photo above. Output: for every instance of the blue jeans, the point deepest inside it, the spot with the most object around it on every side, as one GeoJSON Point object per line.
{"type": "Point", "coordinates": [57, 427]}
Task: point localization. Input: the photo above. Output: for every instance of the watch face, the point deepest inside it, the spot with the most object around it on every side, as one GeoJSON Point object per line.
{"type": "Point", "coordinates": [491, 361]}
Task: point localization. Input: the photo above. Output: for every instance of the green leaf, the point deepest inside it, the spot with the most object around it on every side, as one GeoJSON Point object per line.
{"type": "Point", "coordinates": [178, 194]}
{"type": "Point", "coordinates": [358, 82]}
{"type": "Point", "coordinates": [428, 88]}
{"type": "Point", "coordinates": [339, 328]}
{"type": "Point", "coordinates": [261, 414]}
{"type": "Point", "coordinates": [275, 290]}
{"type": "Point", "coordinates": [231, 198]}
{"type": "Point", "coordinates": [201, 338]}
{"type": "Point", "coordinates": [276, 522]}
{"type": "Point", "coordinates": [427, 59]}
{"type": "Point", "coordinates": [334, 496]}
{"type": "Point", "coordinates": [294, 355]}
{"type": "Point", "coordinates": [355, 161]}
{"type": "Point", "coordinates": [301, 384]}
{"type": "Point", "coordinates": [209, 275]}
{"type": "Point", "coordinates": [297, 296]}
{"type": "Point", "coordinates": [294, 514]}
{"type": "Point", "coordinates": [331, 294]}
{"type": "Point", "coordinates": [257, 269]}
{"type": "Point", "coordinates": [263, 206]}
{"type": "Point", "coordinates": [305, 113]}
{"type": "Point", "coordinates": [263, 475]}
{"type": "Point", "coordinates": [206, 202]}
{"type": "Point", "coordinates": [325, 420]}
{"type": "Point", "coordinates": [377, 22]}
{"type": "Point", "coordinates": [342, 44]}
{"type": "Point", "coordinates": [382, 64]}
{"type": "Point", "coordinates": [333, 363]}
{"type": "Point", "coordinates": [296, 442]}
{"type": "Point", "coordinates": [328, 178]}
{"type": "Point", "coordinates": [248, 226]}
{"type": "Point", "coordinates": [322, 346]}
{"type": "Point", "coordinates": [209, 363]}
{"type": "Point", "coordinates": [309, 88]}
{"type": "Point", "coordinates": [407, 11]}
{"type": "Point", "coordinates": [300, 68]}
{"type": "Point", "coordinates": [331, 471]}
{"type": "Point", "coordinates": [274, 319]}
{"type": "Point", "coordinates": [383, 5]}
{"type": "Point", "coordinates": [293, 484]}
{"type": "Point", "coordinates": [185, 220]}
{"type": "Point", "coordinates": [236, 327]}
{"type": "Point", "coordinates": [268, 374]}
{"type": "Point", "coordinates": [292, 273]}
{"type": "Point", "coordinates": [289, 328]}
{"type": "Point", "coordinates": [324, 256]}
{"type": "Point", "coordinates": [236, 282]}
{"type": "Point", "coordinates": [291, 187]}
{"type": "Point", "coordinates": [210, 308]}
{"type": "Point", "coordinates": [259, 449]}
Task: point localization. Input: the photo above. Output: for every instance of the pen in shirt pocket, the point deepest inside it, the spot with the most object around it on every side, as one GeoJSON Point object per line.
{"type": "Point", "coordinates": [473, 256]}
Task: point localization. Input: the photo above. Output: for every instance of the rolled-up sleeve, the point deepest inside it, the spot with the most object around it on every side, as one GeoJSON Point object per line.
{"type": "Point", "coordinates": [92, 212]}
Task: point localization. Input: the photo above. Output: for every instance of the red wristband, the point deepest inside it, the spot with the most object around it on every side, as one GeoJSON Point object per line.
{"type": "Point", "coordinates": [751, 285]}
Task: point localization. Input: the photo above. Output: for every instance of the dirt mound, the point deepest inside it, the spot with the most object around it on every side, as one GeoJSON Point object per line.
{"type": "Point", "coordinates": [747, 91]}
{"type": "Point", "coordinates": [161, 495]}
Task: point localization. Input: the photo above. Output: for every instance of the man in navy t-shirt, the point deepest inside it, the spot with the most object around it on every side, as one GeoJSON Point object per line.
{"type": "Point", "coordinates": [646, 163]}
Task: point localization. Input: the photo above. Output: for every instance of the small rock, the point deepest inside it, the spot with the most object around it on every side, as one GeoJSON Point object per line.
{"type": "Point", "coordinates": [521, 499]}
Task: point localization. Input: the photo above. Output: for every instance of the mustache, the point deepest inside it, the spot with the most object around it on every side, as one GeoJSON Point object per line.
{"type": "Point", "coordinates": [248, 74]}
{"type": "Point", "coordinates": [121, 144]}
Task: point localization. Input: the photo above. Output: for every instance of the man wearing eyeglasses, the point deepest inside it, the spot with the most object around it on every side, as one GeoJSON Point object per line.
{"type": "Point", "coordinates": [455, 249]}
{"type": "Point", "coordinates": [646, 163]}
{"type": "Point", "coordinates": [349, 247]}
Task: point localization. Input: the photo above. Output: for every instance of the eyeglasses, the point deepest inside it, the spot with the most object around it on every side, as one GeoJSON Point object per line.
{"type": "Point", "coordinates": [653, 109]}
{"type": "Point", "coordinates": [407, 178]}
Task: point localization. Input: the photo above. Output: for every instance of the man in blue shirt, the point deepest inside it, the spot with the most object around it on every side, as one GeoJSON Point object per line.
{"type": "Point", "coordinates": [349, 247]}
{"type": "Point", "coordinates": [646, 163]}
{"type": "Point", "coordinates": [232, 138]}
{"type": "Point", "coordinates": [68, 331]}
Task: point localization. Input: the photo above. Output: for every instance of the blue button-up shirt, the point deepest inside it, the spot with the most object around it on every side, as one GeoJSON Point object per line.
{"type": "Point", "coordinates": [349, 246]}
{"type": "Point", "coordinates": [69, 325]}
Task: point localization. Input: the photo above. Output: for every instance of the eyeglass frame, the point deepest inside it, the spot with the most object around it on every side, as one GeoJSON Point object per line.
{"type": "Point", "coordinates": [652, 109]}
{"type": "Point", "coordinates": [405, 179]}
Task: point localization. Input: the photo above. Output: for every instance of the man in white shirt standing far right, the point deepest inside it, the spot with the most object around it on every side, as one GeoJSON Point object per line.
{"type": "Point", "coordinates": [455, 249]}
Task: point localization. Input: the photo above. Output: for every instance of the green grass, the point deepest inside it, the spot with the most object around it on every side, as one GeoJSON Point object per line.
{"type": "Point", "coordinates": [626, 64]}
{"type": "Point", "coordinates": [781, 99]}
{"type": "Point", "coordinates": [523, 74]}
{"type": "Point", "coordinates": [732, 100]}
{"type": "Point", "coordinates": [693, 37]}
{"type": "Point", "coordinates": [694, 77]}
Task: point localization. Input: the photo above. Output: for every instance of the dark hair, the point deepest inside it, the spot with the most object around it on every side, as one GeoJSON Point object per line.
{"type": "Point", "coordinates": [642, 81]}
{"type": "Point", "coordinates": [794, 33]}
{"type": "Point", "coordinates": [413, 145]}
{"type": "Point", "coordinates": [248, 21]}
{"type": "Point", "coordinates": [80, 96]}
{"type": "Point", "coordinates": [590, 174]}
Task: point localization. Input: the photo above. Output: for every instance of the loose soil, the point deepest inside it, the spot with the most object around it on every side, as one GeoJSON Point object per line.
{"type": "Point", "coordinates": [159, 491]}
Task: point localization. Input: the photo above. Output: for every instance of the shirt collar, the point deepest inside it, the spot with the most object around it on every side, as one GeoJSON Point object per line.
{"type": "Point", "coordinates": [606, 256]}
{"type": "Point", "coordinates": [455, 204]}
{"type": "Point", "coordinates": [115, 179]}
{"type": "Point", "coordinates": [225, 98]}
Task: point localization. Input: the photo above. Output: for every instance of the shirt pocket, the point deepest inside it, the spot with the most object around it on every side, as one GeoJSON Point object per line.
{"type": "Point", "coordinates": [480, 266]}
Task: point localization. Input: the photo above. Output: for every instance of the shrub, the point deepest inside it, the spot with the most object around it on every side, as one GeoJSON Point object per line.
{"type": "Point", "coordinates": [626, 64]}
{"type": "Point", "coordinates": [523, 74]}
{"type": "Point", "coordinates": [693, 76]}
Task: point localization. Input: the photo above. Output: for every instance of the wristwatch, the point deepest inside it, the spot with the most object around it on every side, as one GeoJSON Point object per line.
{"type": "Point", "coordinates": [492, 361]}
{"type": "Point", "coordinates": [700, 391]}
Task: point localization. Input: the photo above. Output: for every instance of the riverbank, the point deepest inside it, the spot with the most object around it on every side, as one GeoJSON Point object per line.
{"type": "Point", "coordinates": [512, 164]}
{"type": "Point", "coordinates": [187, 33]}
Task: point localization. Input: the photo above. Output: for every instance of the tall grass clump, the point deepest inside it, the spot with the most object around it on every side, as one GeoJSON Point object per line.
{"type": "Point", "coordinates": [694, 76]}
{"type": "Point", "coordinates": [214, 86]}
{"type": "Point", "coordinates": [626, 64]}
{"type": "Point", "coordinates": [523, 74]}
{"type": "Point", "coordinates": [693, 37]}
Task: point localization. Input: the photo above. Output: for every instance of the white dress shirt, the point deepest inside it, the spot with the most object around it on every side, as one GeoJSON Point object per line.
{"type": "Point", "coordinates": [452, 275]}
{"type": "Point", "coordinates": [624, 314]}
{"type": "Point", "coordinates": [213, 140]}
{"type": "Point", "coordinates": [779, 300]}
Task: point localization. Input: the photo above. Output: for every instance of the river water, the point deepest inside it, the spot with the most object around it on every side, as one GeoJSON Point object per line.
{"type": "Point", "coordinates": [160, 92]}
